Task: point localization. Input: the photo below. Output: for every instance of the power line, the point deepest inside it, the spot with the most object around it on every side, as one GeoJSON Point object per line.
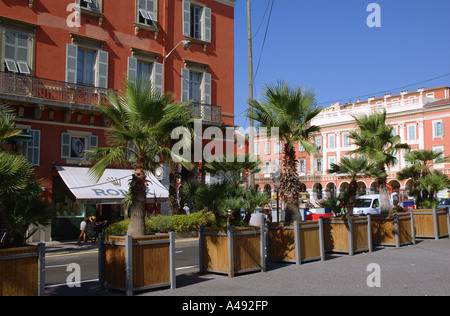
{"type": "Point", "coordinates": [386, 90]}
{"type": "Point", "coordinates": [262, 20]}
{"type": "Point", "coordinates": [264, 41]}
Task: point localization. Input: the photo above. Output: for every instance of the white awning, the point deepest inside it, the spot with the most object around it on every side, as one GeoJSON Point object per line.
{"type": "Point", "coordinates": [111, 187]}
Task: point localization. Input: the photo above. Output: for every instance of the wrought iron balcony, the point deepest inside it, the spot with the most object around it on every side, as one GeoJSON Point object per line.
{"type": "Point", "coordinates": [210, 114]}
{"type": "Point", "coordinates": [49, 92]}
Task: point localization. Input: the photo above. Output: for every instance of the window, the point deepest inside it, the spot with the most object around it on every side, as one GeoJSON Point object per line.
{"type": "Point", "coordinates": [86, 66]}
{"type": "Point", "coordinates": [412, 132]}
{"type": "Point", "coordinates": [267, 167]}
{"type": "Point", "coordinates": [144, 66]}
{"type": "Point", "coordinates": [438, 129]}
{"type": "Point", "coordinates": [394, 130]}
{"type": "Point", "coordinates": [300, 147]}
{"type": "Point", "coordinates": [16, 52]}
{"type": "Point", "coordinates": [318, 141]}
{"type": "Point", "coordinates": [302, 165]}
{"type": "Point", "coordinates": [74, 144]}
{"type": "Point", "coordinates": [196, 21]}
{"type": "Point", "coordinates": [267, 148]}
{"type": "Point", "coordinates": [90, 5]}
{"type": "Point", "coordinates": [257, 149]}
{"type": "Point", "coordinates": [196, 86]}
{"type": "Point", "coordinates": [345, 142]}
{"type": "Point", "coordinates": [278, 147]}
{"type": "Point", "coordinates": [331, 160]}
{"type": "Point", "coordinates": [147, 12]}
{"type": "Point", "coordinates": [438, 149]}
{"type": "Point", "coordinates": [32, 148]}
{"type": "Point", "coordinates": [318, 164]}
{"type": "Point", "coordinates": [331, 141]}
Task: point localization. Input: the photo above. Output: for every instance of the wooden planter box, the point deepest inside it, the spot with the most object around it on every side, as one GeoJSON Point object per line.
{"type": "Point", "coordinates": [393, 229]}
{"type": "Point", "coordinates": [22, 271]}
{"type": "Point", "coordinates": [135, 264]}
{"type": "Point", "coordinates": [350, 235]}
{"type": "Point", "coordinates": [297, 242]}
{"type": "Point", "coordinates": [232, 251]}
{"type": "Point", "coordinates": [431, 223]}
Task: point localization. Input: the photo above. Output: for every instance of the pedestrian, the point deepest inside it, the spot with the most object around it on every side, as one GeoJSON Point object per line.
{"type": "Point", "coordinates": [309, 205]}
{"type": "Point", "coordinates": [447, 195]}
{"type": "Point", "coordinates": [186, 209]}
{"type": "Point", "coordinates": [83, 227]}
{"type": "Point", "coordinates": [268, 212]}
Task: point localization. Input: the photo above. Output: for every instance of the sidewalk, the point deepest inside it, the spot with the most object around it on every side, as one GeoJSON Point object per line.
{"type": "Point", "coordinates": [416, 270]}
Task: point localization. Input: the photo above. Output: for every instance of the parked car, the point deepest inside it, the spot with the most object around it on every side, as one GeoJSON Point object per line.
{"type": "Point", "coordinates": [369, 204]}
{"type": "Point", "coordinates": [444, 203]}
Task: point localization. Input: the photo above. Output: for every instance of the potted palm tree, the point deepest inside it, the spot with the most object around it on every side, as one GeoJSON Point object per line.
{"type": "Point", "coordinates": [231, 246]}
{"type": "Point", "coordinates": [142, 120]}
{"type": "Point", "coordinates": [21, 265]}
{"type": "Point", "coordinates": [290, 110]}
{"type": "Point", "coordinates": [375, 140]}
{"type": "Point", "coordinates": [428, 221]}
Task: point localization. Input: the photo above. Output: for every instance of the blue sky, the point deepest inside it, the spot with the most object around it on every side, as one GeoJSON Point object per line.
{"type": "Point", "coordinates": [326, 45]}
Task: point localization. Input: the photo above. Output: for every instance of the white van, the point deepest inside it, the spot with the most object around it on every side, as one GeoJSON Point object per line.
{"type": "Point", "coordinates": [370, 204]}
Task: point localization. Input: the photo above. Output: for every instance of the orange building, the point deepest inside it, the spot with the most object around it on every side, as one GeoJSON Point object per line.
{"type": "Point", "coordinates": [60, 58]}
{"type": "Point", "coordinates": [421, 118]}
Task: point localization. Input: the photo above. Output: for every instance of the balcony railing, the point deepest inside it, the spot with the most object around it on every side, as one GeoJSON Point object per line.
{"type": "Point", "coordinates": [16, 86]}
{"type": "Point", "coordinates": [210, 114]}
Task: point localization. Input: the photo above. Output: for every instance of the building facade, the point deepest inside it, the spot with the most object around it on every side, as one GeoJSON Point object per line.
{"type": "Point", "coordinates": [58, 59]}
{"type": "Point", "coordinates": [421, 118]}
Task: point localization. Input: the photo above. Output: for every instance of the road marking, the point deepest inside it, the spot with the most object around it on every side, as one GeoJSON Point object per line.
{"type": "Point", "coordinates": [62, 254]}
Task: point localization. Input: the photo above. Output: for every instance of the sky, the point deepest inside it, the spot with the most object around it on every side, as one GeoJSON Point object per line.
{"type": "Point", "coordinates": [327, 45]}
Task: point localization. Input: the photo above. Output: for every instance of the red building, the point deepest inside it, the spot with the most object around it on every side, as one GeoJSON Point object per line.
{"type": "Point", "coordinates": [60, 58]}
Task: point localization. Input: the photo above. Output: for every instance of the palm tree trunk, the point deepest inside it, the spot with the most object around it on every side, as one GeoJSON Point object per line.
{"type": "Point", "coordinates": [290, 184]}
{"type": "Point", "coordinates": [352, 191]}
{"type": "Point", "coordinates": [385, 205]}
{"type": "Point", "coordinates": [139, 197]}
{"type": "Point", "coordinates": [173, 201]}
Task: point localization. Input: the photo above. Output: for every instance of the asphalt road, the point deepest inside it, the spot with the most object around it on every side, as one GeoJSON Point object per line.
{"type": "Point", "coordinates": [414, 270]}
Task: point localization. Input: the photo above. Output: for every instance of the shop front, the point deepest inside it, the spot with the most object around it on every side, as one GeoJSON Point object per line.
{"type": "Point", "coordinates": [76, 195]}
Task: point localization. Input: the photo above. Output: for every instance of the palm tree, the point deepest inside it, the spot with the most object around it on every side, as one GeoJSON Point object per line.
{"type": "Point", "coordinates": [420, 164]}
{"type": "Point", "coordinates": [7, 123]}
{"type": "Point", "coordinates": [232, 171]}
{"type": "Point", "coordinates": [142, 121]}
{"type": "Point", "coordinates": [291, 111]}
{"type": "Point", "coordinates": [20, 203]}
{"type": "Point", "coordinates": [430, 185]}
{"type": "Point", "coordinates": [376, 141]}
{"type": "Point", "coordinates": [355, 168]}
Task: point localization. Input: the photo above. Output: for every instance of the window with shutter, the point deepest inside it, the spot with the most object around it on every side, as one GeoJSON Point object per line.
{"type": "Point", "coordinates": [34, 147]}
{"type": "Point", "coordinates": [196, 21]}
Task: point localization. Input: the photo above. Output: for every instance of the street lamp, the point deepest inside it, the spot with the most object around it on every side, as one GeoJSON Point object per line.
{"type": "Point", "coordinates": [186, 45]}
